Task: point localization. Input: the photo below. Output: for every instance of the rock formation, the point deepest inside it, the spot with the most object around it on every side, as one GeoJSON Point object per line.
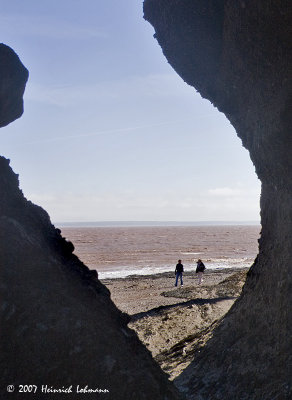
{"type": "Point", "coordinates": [13, 77]}
{"type": "Point", "coordinates": [237, 54]}
{"type": "Point", "coordinates": [59, 326]}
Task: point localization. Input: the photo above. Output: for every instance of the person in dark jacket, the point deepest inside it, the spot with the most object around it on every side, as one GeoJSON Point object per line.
{"type": "Point", "coordinates": [200, 270]}
{"type": "Point", "coordinates": [179, 269]}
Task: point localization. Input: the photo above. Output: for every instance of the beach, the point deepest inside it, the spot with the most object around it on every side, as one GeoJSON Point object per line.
{"type": "Point", "coordinates": [137, 263]}
{"type": "Point", "coordinates": [174, 322]}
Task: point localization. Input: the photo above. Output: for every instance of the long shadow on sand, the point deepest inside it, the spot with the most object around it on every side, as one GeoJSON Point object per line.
{"type": "Point", "coordinates": [157, 310]}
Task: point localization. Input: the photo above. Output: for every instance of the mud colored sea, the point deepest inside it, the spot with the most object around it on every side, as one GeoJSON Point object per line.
{"type": "Point", "coordinates": [116, 252]}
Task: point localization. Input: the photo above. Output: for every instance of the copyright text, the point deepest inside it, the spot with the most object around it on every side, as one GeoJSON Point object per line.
{"type": "Point", "coordinates": [52, 389]}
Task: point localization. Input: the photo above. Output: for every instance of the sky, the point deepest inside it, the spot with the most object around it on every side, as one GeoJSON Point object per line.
{"type": "Point", "coordinates": [110, 132]}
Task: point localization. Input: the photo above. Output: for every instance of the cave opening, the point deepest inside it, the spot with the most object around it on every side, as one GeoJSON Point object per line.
{"type": "Point", "coordinates": [252, 343]}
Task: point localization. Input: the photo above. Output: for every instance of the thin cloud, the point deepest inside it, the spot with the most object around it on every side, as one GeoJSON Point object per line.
{"type": "Point", "coordinates": [122, 205]}
{"type": "Point", "coordinates": [229, 192]}
{"type": "Point", "coordinates": [225, 192]}
{"type": "Point", "coordinates": [130, 88]}
{"type": "Point", "coordinates": [104, 132]}
{"type": "Point", "coordinates": [25, 25]}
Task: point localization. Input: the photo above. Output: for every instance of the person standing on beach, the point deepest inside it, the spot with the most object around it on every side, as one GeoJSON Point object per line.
{"type": "Point", "coordinates": [200, 270]}
{"type": "Point", "coordinates": [179, 269]}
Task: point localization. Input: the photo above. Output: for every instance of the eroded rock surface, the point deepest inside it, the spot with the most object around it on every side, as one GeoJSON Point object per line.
{"type": "Point", "coordinates": [13, 77]}
{"type": "Point", "coordinates": [175, 332]}
{"type": "Point", "coordinates": [237, 54]}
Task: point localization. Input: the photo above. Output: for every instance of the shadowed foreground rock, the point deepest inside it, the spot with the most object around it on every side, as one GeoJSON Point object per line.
{"type": "Point", "coordinates": [13, 77]}
{"type": "Point", "coordinates": [59, 327]}
{"type": "Point", "coordinates": [237, 54]}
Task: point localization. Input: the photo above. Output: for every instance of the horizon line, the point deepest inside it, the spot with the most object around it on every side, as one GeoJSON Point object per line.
{"type": "Point", "coordinates": [153, 222]}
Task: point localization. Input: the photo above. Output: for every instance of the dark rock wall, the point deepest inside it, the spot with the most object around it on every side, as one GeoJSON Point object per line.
{"type": "Point", "coordinates": [59, 326]}
{"type": "Point", "coordinates": [237, 54]}
{"type": "Point", "coordinates": [13, 77]}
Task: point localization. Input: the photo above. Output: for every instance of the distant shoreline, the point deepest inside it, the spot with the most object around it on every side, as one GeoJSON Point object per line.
{"type": "Point", "coordinates": [135, 224]}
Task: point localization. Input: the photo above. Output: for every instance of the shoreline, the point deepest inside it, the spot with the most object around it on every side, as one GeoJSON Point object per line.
{"type": "Point", "coordinates": [158, 275]}
{"type": "Point", "coordinates": [169, 272]}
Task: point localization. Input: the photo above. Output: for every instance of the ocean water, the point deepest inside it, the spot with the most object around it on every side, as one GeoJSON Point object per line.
{"type": "Point", "coordinates": [119, 251]}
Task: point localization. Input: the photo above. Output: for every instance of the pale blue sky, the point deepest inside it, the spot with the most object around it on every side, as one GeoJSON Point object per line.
{"type": "Point", "coordinates": [110, 131]}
